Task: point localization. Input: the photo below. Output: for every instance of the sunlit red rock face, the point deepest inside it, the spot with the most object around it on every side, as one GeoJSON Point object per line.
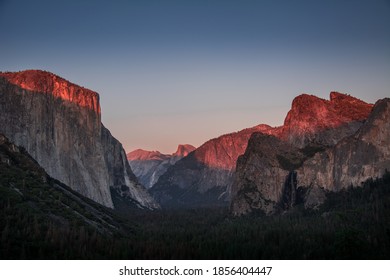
{"type": "Point", "coordinates": [314, 120]}
{"type": "Point", "coordinates": [222, 152]}
{"type": "Point", "coordinates": [272, 176]}
{"type": "Point", "coordinates": [148, 166]}
{"type": "Point", "coordinates": [207, 173]}
{"type": "Point", "coordinates": [310, 120]}
{"type": "Point", "coordinates": [59, 124]}
{"type": "Point", "coordinates": [354, 159]}
{"type": "Point", "coordinates": [55, 86]}
{"type": "Point", "coordinates": [202, 177]}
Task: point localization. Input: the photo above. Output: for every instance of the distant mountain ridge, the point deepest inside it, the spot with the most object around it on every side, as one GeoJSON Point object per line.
{"type": "Point", "coordinates": [148, 166]}
{"type": "Point", "coordinates": [59, 124]}
{"type": "Point", "coordinates": [141, 154]}
{"type": "Point", "coordinates": [183, 150]}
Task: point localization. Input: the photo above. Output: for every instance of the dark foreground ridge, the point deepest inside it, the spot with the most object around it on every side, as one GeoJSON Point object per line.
{"type": "Point", "coordinates": [41, 217]}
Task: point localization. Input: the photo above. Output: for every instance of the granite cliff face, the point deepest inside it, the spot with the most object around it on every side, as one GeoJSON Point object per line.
{"type": "Point", "coordinates": [148, 166]}
{"type": "Point", "coordinates": [30, 192]}
{"type": "Point", "coordinates": [202, 178]}
{"type": "Point", "coordinates": [354, 159]}
{"type": "Point", "coordinates": [305, 174]}
{"type": "Point", "coordinates": [205, 177]}
{"type": "Point", "coordinates": [264, 173]}
{"type": "Point", "coordinates": [59, 124]}
{"type": "Point", "coordinates": [319, 122]}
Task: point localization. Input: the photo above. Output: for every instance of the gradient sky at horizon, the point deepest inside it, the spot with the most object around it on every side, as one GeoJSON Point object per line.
{"type": "Point", "coordinates": [171, 72]}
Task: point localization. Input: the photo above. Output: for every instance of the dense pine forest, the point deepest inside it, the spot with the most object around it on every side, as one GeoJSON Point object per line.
{"type": "Point", "coordinates": [42, 219]}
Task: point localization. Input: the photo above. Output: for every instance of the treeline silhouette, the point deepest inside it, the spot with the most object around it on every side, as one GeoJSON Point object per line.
{"type": "Point", "coordinates": [42, 219]}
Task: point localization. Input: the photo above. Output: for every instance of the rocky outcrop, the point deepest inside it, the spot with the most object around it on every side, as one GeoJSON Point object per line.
{"type": "Point", "coordinates": [122, 180]}
{"type": "Point", "coordinates": [182, 151]}
{"type": "Point", "coordinates": [311, 172]}
{"type": "Point", "coordinates": [202, 178]}
{"type": "Point", "coordinates": [265, 178]}
{"type": "Point", "coordinates": [311, 125]}
{"type": "Point", "coordinates": [148, 166]}
{"type": "Point", "coordinates": [355, 159]}
{"type": "Point", "coordinates": [319, 122]}
{"type": "Point", "coordinates": [59, 124]}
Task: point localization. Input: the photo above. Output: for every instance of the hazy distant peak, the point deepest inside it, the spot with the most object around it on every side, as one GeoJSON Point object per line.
{"type": "Point", "coordinates": [183, 150]}
{"type": "Point", "coordinates": [141, 154]}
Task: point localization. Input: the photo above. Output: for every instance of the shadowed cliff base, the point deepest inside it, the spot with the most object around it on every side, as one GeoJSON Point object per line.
{"type": "Point", "coordinates": [177, 198]}
{"type": "Point", "coordinates": [190, 190]}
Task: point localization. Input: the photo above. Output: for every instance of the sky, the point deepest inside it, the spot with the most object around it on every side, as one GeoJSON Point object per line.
{"type": "Point", "coordinates": [184, 71]}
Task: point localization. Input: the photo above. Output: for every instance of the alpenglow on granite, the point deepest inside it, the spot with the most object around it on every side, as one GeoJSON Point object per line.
{"type": "Point", "coordinates": [205, 177]}
{"type": "Point", "coordinates": [59, 124]}
{"type": "Point", "coordinates": [342, 143]}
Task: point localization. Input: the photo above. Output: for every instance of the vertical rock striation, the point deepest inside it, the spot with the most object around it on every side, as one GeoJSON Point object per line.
{"type": "Point", "coordinates": [265, 178]}
{"type": "Point", "coordinates": [354, 159]}
{"type": "Point", "coordinates": [59, 124]}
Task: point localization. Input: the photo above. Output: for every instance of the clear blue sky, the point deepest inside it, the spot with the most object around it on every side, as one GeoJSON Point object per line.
{"type": "Point", "coordinates": [171, 72]}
